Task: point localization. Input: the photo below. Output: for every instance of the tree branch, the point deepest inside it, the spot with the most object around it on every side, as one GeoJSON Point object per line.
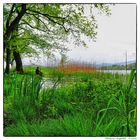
{"type": "Point", "coordinates": [46, 15]}
{"type": "Point", "coordinates": [50, 17]}
{"type": "Point", "coordinates": [10, 15]}
{"type": "Point", "coordinates": [16, 21]}
{"type": "Point", "coordinates": [33, 27]}
{"type": "Point", "coordinates": [39, 20]}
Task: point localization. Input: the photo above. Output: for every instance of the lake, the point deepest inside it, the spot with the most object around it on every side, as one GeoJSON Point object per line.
{"type": "Point", "coordinates": [115, 71]}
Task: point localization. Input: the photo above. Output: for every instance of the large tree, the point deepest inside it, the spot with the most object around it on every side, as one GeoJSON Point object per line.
{"type": "Point", "coordinates": [46, 27]}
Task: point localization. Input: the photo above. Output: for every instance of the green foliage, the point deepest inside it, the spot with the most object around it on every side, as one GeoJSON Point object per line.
{"type": "Point", "coordinates": [75, 125]}
{"type": "Point", "coordinates": [84, 104]}
{"type": "Point", "coordinates": [24, 101]}
{"type": "Point", "coordinates": [49, 26]}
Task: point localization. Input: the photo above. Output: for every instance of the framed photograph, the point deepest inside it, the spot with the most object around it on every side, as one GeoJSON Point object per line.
{"type": "Point", "coordinates": [70, 70]}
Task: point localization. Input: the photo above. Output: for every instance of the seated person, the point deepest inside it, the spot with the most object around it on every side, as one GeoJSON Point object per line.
{"type": "Point", "coordinates": [38, 72]}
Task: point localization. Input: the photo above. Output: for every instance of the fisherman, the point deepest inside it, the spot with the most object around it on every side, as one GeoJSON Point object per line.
{"type": "Point", "coordinates": [38, 72]}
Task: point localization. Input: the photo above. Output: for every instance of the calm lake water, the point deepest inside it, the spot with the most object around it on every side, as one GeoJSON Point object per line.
{"type": "Point", "coordinates": [116, 71]}
{"type": "Point", "coordinates": [48, 83]}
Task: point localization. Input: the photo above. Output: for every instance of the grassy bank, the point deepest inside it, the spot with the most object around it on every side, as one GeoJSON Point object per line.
{"type": "Point", "coordinates": [77, 104]}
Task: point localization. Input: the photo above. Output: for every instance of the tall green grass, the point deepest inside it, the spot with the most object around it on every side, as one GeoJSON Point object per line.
{"type": "Point", "coordinates": [97, 104]}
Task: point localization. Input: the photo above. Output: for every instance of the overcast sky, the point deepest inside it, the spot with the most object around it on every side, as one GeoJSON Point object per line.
{"type": "Point", "coordinates": [116, 36]}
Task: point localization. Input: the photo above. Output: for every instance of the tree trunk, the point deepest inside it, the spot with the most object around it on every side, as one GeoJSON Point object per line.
{"type": "Point", "coordinates": [17, 57]}
{"type": "Point", "coordinates": [11, 28]}
{"type": "Point", "coordinates": [7, 60]}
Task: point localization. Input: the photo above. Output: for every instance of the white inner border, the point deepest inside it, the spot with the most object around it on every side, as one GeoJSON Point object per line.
{"type": "Point", "coordinates": [67, 1]}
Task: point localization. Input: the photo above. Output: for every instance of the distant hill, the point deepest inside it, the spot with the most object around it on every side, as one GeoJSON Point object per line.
{"type": "Point", "coordinates": [111, 64]}
{"type": "Point", "coordinates": [118, 66]}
